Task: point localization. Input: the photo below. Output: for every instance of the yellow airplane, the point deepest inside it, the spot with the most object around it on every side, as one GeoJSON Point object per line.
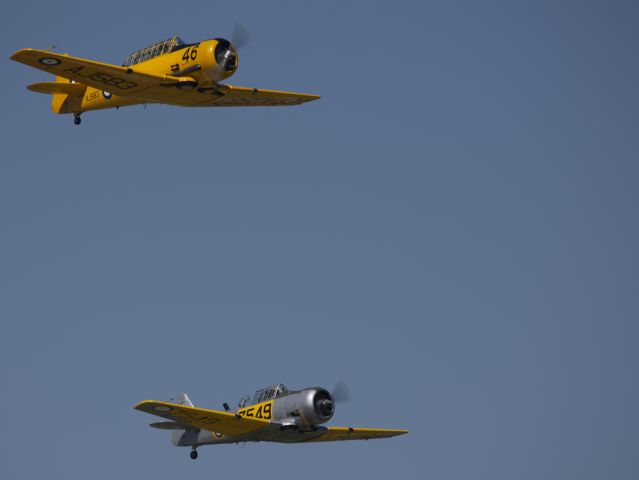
{"type": "Point", "coordinates": [275, 414]}
{"type": "Point", "coordinates": [170, 72]}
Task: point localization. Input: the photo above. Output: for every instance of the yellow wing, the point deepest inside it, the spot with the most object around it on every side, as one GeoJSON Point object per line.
{"type": "Point", "coordinates": [123, 81]}
{"type": "Point", "coordinates": [334, 434]}
{"type": "Point", "coordinates": [252, 97]}
{"type": "Point", "coordinates": [154, 88]}
{"type": "Point", "coordinates": [211, 420]}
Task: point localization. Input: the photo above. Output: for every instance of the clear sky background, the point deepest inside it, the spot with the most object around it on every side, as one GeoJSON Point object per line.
{"type": "Point", "coordinates": [452, 229]}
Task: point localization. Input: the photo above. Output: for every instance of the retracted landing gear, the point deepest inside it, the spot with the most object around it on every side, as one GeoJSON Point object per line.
{"type": "Point", "coordinates": [193, 453]}
{"type": "Point", "coordinates": [76, 119]}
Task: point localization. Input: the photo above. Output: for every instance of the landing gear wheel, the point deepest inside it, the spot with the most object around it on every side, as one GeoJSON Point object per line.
{"type": "Point", "coordinates": [77, 120]}
{"type": "Point", "coordinates": [194, 454]}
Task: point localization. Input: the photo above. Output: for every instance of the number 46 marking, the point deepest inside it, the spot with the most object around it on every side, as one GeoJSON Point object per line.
{"type": "Point", "coordinates": [190, 54]}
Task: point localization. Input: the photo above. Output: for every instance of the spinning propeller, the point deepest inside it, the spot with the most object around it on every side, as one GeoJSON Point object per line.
{"type": "Point", "coordinates": [240, 35]}
{"type": "Point", "coordinates": [227, 59]}
{"type": "Point", "coordinates": [340, 392]}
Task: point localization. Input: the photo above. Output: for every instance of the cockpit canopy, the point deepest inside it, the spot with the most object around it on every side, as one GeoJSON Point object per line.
{"type": "Point", "coordinates": [264, 395]}
{"type": "Point", "coordinates": [269, 393]}
{"type": "Point", "coordinates": [160, 48]}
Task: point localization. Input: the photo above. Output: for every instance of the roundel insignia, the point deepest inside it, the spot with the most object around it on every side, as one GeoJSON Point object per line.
{"type": "Point", "coordinates": [107, 95]}
{"type": "Point", "coordinates": [49, 61]}
{"type": "Point", "coordinates": [162, 408]}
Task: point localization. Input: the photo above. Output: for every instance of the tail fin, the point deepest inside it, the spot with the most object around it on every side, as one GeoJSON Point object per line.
{"type": "Point", "coordinates": [182, 399]}
{"type": "Point", "coordinates": [58, 100]}
{"type": "Point", "coordinates": [66, 95]}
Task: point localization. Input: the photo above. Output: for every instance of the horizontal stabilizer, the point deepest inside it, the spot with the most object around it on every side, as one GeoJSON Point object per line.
{"type": "Point", "coordinates": [57, 87]}
{"type": "Point", "coordinates": [168, 426]}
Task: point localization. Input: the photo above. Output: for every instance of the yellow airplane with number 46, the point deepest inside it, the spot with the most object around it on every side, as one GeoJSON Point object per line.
{"type": "Point", "coordinates": [171, 72]}
{"type": "Point", "coordinates": [274, 414]}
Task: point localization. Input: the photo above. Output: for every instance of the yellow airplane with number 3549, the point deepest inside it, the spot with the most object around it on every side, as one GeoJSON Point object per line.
{"type": "Point", "coordinates": [171, 72]}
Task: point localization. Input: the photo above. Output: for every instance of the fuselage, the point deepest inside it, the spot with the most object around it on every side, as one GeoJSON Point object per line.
{"type": "Point", "coordinates": [206, 62]}
{"type": "Point", "coordinates": [293, 412]}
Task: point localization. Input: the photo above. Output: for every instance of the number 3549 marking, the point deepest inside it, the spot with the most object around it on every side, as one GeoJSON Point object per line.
{"type": "Point", "coordinates": [258, 411]}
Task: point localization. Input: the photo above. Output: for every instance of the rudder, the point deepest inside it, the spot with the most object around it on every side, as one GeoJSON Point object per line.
{"type": "Point", "coordinates": [59, 100]}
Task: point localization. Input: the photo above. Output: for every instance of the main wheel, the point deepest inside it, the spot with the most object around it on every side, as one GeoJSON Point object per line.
{"type": "Point", "coordinates": [77, 120]}
{"type": "Point", "coordinates": [193, 454]}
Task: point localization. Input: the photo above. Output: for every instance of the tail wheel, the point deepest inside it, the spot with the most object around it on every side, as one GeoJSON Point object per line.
{"type": "Point", "coordinates": [194, 454]}
{"type": "Point", "coordinates": [77, 120]}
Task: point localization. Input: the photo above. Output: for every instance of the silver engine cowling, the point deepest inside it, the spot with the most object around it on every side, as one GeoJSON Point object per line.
{"type": "Point", "coordinates": [314, 406]}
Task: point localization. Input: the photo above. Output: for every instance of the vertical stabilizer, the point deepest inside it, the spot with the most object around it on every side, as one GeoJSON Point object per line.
{"type": "Point", "coordinates": [182, 399]}
{"type": "Point", "coordinates": [58, 100]}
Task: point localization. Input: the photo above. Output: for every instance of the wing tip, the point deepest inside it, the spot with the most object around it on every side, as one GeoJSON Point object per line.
{"type": "Point", "coordinates": [18, 53]}
{"type": "Point", "coordinates": [140, 406]}
{"type": "Point", "coordinates": [309, 97]}
{"type": "Point", "coordinates": [394, 432]}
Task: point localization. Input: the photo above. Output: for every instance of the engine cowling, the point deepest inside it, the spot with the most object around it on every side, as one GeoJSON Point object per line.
{"type": "Point", "coordinates": [218, 59]}
{"type": "Point", "coordinates": [315, 406]}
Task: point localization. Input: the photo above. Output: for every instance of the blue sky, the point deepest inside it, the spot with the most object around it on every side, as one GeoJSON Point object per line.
{"type": "Point", "coordinates": [452, 229]}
